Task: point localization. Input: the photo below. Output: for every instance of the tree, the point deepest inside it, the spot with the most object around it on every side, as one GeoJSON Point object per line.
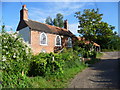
{"type": "Point", "coordinates": [114, 43]}
{"type": "Point", "coordinates": [58, 21]}
{"type": "Point", "coordinates": [49, 20]}
{"type": "Point", "coordinates": [93, 28]}
{"type": "Point", "coordinates": [55, 22]}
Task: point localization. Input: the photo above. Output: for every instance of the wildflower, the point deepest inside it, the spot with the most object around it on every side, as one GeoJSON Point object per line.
{"type": "Point", "coordinates": [5, 47]}
{"type": "Point", "coordinates": [7, 52]}
{"type": "Point", "coordinates": [14, 56]}
{"type": "Point", "coordinates": [3, 58]}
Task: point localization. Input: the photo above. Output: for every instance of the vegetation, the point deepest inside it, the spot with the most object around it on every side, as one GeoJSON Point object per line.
{"type": "Point", "coordinates": [58, 79]}
{"type": "Point", "coordinates": [21, 69]}
{"type": "Point", "coordinates": [95, 60]}
{"type": "Point", "coordinates": [15, 60]}
{"type": "Point", "coordinates": [94, 29]}
{"type": "Point", "coordinates": [49, 21]}
{"type": "Point", "coordinates": [58, 21]}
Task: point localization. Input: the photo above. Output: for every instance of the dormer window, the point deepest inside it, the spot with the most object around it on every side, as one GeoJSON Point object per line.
{"type": "Point", "coordinates": [69, 42]}
{"type": "Point", "coordinates": [43, 39]}
{"type": "Point", "coordinates": [58, 41]}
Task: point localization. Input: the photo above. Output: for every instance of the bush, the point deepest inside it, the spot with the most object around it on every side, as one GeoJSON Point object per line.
{"type": "Point", "coordinates": [46, 64]}
{"type": "Point", "coordinates": [71, 58]}
{"type": "Point", "coordinates": [16, 57]}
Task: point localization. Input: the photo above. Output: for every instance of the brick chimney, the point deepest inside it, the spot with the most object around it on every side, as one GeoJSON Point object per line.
{"type": "Point", "coordinates": [24, 13]}
{"type": "Point", "coordinates": [66, 24]}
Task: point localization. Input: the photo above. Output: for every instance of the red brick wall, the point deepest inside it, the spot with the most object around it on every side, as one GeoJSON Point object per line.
{"type": "Point", "coordinates": [50, 47]}
{"type": "Point", "coordinates": [35, 42]}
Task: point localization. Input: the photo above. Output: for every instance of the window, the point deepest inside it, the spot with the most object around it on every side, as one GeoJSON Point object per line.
{"type": "Point", "coordinates": [69, 43]}
{"type": "Point", "coordinates": [58, 41]}
{"type": "Point", "coordinates": [43, 39]}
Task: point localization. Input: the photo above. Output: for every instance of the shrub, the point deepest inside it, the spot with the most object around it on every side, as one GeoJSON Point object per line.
{"type": "Point", "coordinates": [46, 64]}
{"type": "Point", "coordinates": [16, 57]}
{"type": "Point", "coordinates": [53, 64]}
{"type": "Point", "coordinates": [71, 58]}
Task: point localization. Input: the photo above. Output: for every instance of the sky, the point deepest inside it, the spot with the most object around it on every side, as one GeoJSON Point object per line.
{"type": "Point", "coordinates": [39, 11]}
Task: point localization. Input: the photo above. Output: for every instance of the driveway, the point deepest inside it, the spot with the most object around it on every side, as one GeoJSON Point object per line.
{"type": "Point", "coordinates": [104, 74]}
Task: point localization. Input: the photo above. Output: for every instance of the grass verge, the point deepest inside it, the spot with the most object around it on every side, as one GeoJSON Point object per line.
{"type": "Point", "coordinates": [56, 81]}
{"type": "Point", "coordinates": [99, 54]}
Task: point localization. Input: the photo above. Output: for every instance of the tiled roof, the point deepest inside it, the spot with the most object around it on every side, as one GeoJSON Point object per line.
{"type": "Point", "coordinates": [34, 25]}
{"type": "Point", "coordinates": [87, 42]}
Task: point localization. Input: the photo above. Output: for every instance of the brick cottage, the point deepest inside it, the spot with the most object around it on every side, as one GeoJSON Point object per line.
{"type": "Point", "coordinates": [46, 38]}
{"type": "Point", "coordinates": [43, 37]}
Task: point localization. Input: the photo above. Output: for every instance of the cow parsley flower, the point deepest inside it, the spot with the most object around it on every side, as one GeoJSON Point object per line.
{"type": "Point", "coordinates": [5, 47]}
{"type": "Point", "coordinates": [14, 56]}
{"type": "Point", "coordinates": [3, 58]}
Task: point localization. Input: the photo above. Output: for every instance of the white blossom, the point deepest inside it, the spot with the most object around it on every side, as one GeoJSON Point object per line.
{"type": "Point", "coordinates": [5, 47]}
{"type": "Point", "coordinates": [14, 56]}
{"type": "Point", "coordinates": [7, 52]}
{"type": "Point", "coordinates": [3, 58]}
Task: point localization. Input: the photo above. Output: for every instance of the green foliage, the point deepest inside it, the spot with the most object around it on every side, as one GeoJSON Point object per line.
{"type": "Point", "coordinates": [95, 59]}
{"type": "Point", "coordinates": [58, 21]}
{"type": "Point", "coordinates": [93, 28]}
{"type": "Point", "coordinates": [15, 80]}
{"type": "Point", "coordinates": [40, 82]}
{"type": "Point", "coordinates": [114, 43]}
{"type": "Point", "coordinates": [92, 61]}
{"type": "Point", "coordinates": [71, 58]}
{"type": "Point", "coordinates": [49, 20]}
{"type": "Point", "coordinates": [56, 81]}
{"type": "Point", "coordinates": [46, 64]}
{"type": "Point", "coordinates": [99, 55]}
{"type": "Point", "coordinates": [55, 22]}
{"type": "Point", "coordinates": [59, 18]}
{"type": "Point", "coordinates": [15, 60]}
{"type": "Point", "coordinates": [84, 49]}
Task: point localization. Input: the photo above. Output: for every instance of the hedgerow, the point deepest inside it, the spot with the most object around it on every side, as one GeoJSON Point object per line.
{"type": "Point", "coordinates": [16, 56]}
{"type": "Point", "coordinates": [46, 64]}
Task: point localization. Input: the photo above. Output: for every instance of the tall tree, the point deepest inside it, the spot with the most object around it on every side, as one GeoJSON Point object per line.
{"type": "Point", "coordinates": [55, 22]}
{"type": "Point", "coordinates": [49, 20]}
{"type": "Point", "coordinates": [92, 27]}
{"type": "Point", "coordinates": [58, 21]}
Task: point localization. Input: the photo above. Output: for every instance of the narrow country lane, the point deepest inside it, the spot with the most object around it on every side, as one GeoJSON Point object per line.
{"type": "Point", "coordinates": [104, 74]}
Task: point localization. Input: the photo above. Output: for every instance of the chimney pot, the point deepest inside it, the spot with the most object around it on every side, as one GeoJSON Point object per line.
{"type": "Point", "coordinates": [24, 6]}
{"type": "Point", "coordinates": [66, 24]}
{"type": "Point", "coordinates": [24, 13]}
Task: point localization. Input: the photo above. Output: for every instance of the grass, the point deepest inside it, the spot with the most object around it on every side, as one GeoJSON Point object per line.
{"type": "Point", "coordinates": [95, 60]}
{"type": "Point", "coordinates": [60, 81]}
{"type": "Point", "coordinates": [55, 81]}
{"type": "Point", "coordinates": [99, 54]}
{"type": "Point", "coordinates": [0, 78]}
{"type": "Point", "coordinates": [109, 50]}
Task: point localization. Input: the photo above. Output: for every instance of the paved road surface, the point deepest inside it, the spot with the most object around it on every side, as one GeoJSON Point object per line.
{"type": "Point", "coordinates": [104, 74]}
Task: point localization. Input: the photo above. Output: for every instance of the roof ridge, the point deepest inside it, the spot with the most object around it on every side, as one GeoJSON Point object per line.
{"type": "Point", "coordinates": [50, 25]}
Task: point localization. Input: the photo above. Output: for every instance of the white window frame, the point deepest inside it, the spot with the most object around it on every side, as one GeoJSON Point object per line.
{"type": "Point", "coordinates": [69, 38]}
{"type": "Point", "coordinates": [46, 38]}
{"type": "Point", "coordinates": [56, 42]}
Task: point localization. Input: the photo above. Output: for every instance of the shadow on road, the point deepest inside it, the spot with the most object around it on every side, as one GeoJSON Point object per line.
{"type": "Point", "coordinates": [108, 75]}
